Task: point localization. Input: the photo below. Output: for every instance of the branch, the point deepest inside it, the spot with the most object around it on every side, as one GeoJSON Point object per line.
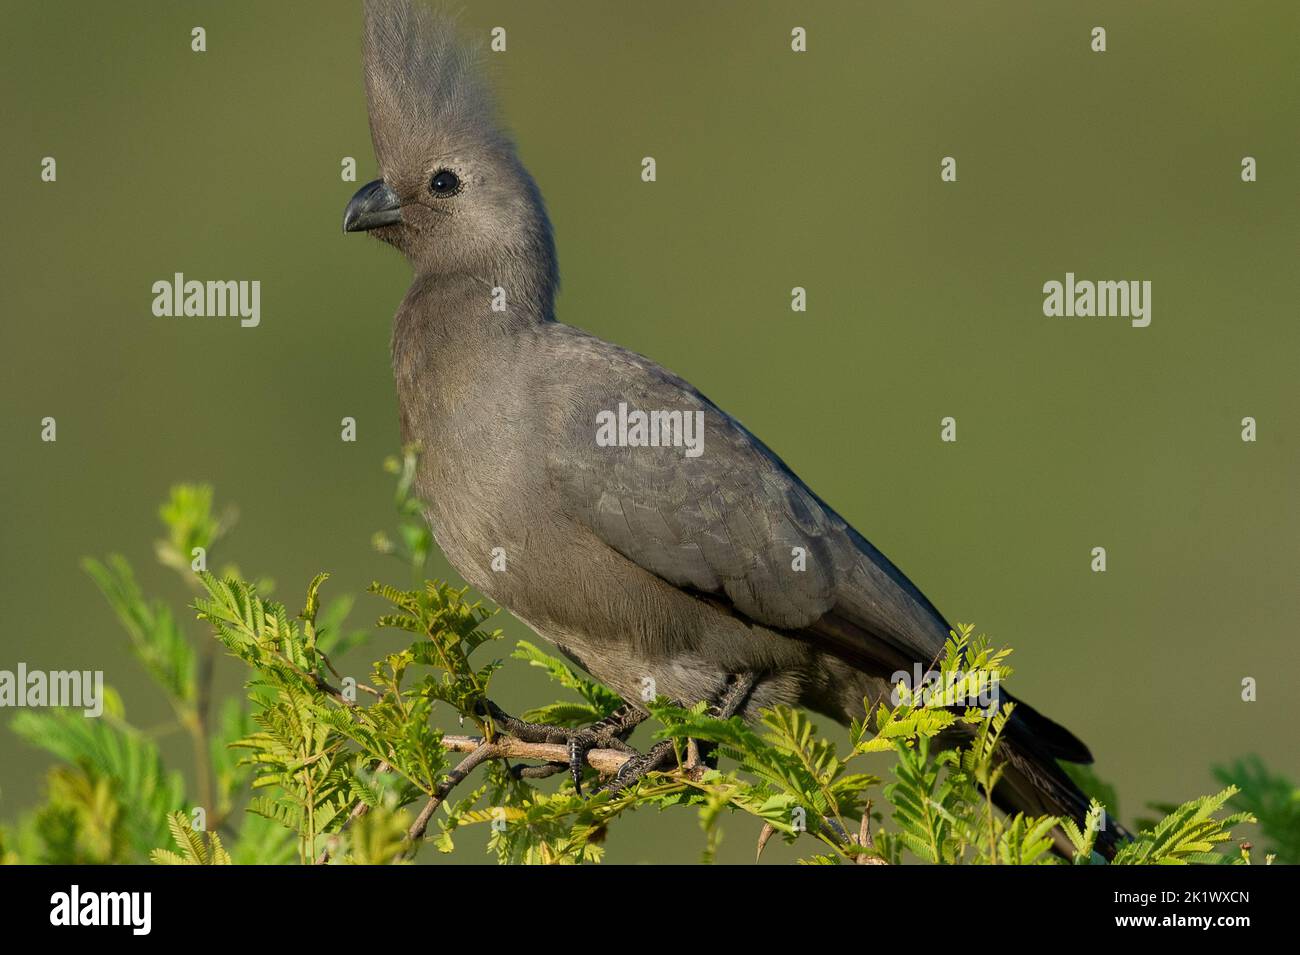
{"type": "Point", "coordinates": [507, 747]}
{"type": "Point", "coordinates": [606, 761]}
{"type": "Point", "coordinates": [503, 747]}
{"type": "Point", "coordinates": [481, 753]}
{"type": "Point", "coordinates": [866, 840]}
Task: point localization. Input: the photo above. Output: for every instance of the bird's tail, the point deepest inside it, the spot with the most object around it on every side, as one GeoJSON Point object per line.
{"type": "Point", "coordinates": [1034, 783]}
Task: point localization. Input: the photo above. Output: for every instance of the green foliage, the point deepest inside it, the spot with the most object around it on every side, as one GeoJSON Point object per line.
{"type": "Point", "coordinates": [156, 640]}
{"type": "Point", "coordinates": [1270, 798]}
{"type": "Point", "coordinates": [187, 515]}
{"type": "Point", "coordinates": [1190, 833]}
{"type": "Point", "coordinates": [788, 777]}
{"type": "Point", "coordinates": [1084, 840]}
{"type": "Point", "coordinates": [82, 821]}
{"type": "Point", "coordinates": [1094, 787]}
{"type": "Point", "coordinates": [196, 848]}
{"type": "Point", "coordinates": [314, 765]}
{"type": "Point", "coordinates": [295, 758]}
{"type": "Point", "coordinates": [108, 750]}
{"type": "Point", "coordinates": [597, 703]}
{"type": "Point", "coordinates": [377, 838]}
{"type": "Point", "coordinates": [413, 543]}
{"type": "Point", "coordinates": [310, 733]}
{"type": "Point", "coordinates": [448, 631]}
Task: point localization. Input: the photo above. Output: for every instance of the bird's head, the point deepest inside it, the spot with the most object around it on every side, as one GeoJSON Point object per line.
{"type": "Point", "coordinates": [452, 195]}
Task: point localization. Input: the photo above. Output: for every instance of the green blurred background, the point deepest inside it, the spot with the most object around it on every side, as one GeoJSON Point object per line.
{"type": "Point", "coordinates": [774, 170]}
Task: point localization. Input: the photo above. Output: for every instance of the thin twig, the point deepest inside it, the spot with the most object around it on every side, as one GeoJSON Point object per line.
{"type": "Point", "coordinates": [360, 809]}
{"type": "Point", "coordinates": [481, 754]}
{"type": "Point", "coordinates": [364, 688]}
{"type": "Point", "coordinates": [199, 731]}
{"type": "Point", "coordinates": [866, 840]}
{"type": "Point", "coordinates": [764, 834]}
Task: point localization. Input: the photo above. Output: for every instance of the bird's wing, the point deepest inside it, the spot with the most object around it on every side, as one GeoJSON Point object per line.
{"type": "Point", "coordinates": [734, 524]}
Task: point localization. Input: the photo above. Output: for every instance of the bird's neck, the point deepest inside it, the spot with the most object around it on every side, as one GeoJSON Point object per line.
{"type": "Point", "coordinates": [454, 332]}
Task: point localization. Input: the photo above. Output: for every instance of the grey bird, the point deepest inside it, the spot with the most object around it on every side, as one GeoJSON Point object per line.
{"type": "Point", "coordinates": [645, 565]}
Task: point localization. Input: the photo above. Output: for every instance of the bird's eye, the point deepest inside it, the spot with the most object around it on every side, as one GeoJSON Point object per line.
{"type": "Point", "coordinates": [444, 183]}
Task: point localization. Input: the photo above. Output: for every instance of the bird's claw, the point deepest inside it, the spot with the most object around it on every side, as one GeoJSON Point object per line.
{"type": "Point", "coordinates": [606, 734]}
{"type": "Point", "coordinates": [638, 767]}
{"type": "Point", "coordinates": [582, 743]}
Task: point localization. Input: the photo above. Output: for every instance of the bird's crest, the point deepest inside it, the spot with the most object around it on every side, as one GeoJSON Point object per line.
{"type": "Point", "coordinates": [424, 84]}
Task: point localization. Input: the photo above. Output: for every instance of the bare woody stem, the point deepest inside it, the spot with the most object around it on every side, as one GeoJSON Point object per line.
{"type": "Point", "coordinates": [507, 747]}
{"type": "Point", "coordinates": [503, 747]}
{"type": "Point", "coordinates": [605, 761]}
{"type": "Point", "coordinates": [480, 754]}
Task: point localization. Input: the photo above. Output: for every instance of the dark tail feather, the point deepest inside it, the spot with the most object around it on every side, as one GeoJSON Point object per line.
{"type": "Point", "coordinates": [1035, 784]}
{"type": "Point", "coordinates": [1047, 735]}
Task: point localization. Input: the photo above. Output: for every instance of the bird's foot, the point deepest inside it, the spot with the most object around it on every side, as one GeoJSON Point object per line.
{"type": "Point", "coordinates": [639, 766]}
{"type": "Point", "coordinates": [584, 741]}
{"type": "Point", "coordinates": [608, 733]}
{"type": "Point", "coordinates": [729, 700]}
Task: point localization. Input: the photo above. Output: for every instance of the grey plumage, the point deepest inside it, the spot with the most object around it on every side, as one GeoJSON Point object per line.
{"type": "Point", "coordinates": [637, 562]}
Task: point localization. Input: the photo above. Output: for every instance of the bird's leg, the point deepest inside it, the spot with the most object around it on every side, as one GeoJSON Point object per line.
{"type": "Point", "coordinates": [608, 733]}
{"type": "Point", "coordinates": [735, 695]}
{"type": "Point", "coordinates": [521, 729]}
{"type": "Point", "coordinates": [728, 702]}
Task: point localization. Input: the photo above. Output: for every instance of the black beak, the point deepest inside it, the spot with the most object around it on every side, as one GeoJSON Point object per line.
{"type": "Point", "coordinates": [373, 206]}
